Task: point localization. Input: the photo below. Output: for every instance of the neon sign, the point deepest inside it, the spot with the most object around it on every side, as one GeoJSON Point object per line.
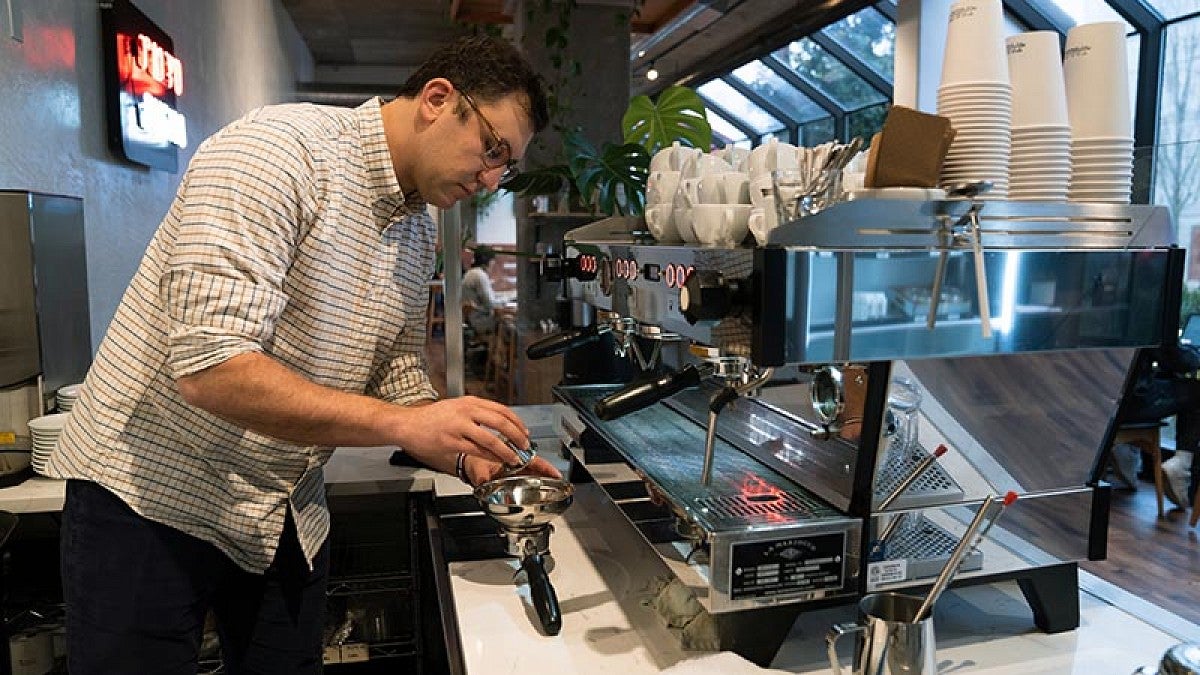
{"type": "Point", "coordinates": [147, 66]}
{"type": "Point", "coordinates": [144, 85]}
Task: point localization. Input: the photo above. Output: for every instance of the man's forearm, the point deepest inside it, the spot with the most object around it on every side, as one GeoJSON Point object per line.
{"type": "Point", "coordinates": [257, 392]}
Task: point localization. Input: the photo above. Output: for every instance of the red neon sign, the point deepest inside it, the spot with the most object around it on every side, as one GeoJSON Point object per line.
{"type": "Point", "coordinates": [145, 66]}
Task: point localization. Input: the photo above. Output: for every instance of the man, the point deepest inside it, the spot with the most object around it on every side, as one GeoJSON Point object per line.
{"type": "Point", "coordinates": [278, 313]}
{"type": "Point", "coordinates": [477, 293]}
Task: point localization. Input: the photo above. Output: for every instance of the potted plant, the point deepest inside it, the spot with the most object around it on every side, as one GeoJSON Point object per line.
{"type": "Point", "coordinates": [611, 180]}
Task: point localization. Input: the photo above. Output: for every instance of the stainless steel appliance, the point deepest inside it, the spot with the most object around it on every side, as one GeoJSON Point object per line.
{"type": "Point", "coordinates": [782, 448]}
{"type": "Point", "coordinates": [45, 332]}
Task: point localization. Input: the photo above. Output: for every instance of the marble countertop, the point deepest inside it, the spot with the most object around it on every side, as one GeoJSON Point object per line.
{"type": "Point", "coordinates": [604, 576]}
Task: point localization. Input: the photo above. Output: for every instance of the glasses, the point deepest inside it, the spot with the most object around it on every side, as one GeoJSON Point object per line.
{"type": "Point", "coordinates": [498, 153]}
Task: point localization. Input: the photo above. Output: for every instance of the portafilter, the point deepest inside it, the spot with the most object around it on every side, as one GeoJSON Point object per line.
{"type": "Point", "coordinates": [524, 507]}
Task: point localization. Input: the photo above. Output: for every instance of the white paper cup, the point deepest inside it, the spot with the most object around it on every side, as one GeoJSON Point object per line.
{"type": "Point", "coordinates": [975, 43]}
{"type": "Point", "coordinates": [1035, 67]}
{"type": "Point", "coordinates": [1096, 73]}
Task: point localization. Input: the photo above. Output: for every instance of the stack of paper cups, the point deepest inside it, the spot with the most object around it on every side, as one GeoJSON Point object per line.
{"type": "Point", "coordinates": [1097, 84]}
{"type": "Point", "coordinates": [976, 95]}
{"type": "Point", "coordinates": [1040, 168]}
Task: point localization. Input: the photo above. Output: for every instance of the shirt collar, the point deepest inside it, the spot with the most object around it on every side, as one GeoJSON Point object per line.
{"type": "Point", "coordinates": [388, 202]}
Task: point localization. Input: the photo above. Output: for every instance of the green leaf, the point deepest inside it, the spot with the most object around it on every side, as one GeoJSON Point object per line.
{"type": "Point", "coordinates": [677, 115]}
{"type": "Point", "coordinates": [544, 181]}
{"type": "Point", "coordinates": [615, 177]}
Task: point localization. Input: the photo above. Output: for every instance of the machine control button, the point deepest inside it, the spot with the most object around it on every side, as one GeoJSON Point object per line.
{"type": "Point", "coordinates": [651, 271]}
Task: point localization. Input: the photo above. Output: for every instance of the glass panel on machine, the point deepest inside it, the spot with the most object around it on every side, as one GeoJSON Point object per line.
{"type": "Point", "coordinates": [1038, 300]}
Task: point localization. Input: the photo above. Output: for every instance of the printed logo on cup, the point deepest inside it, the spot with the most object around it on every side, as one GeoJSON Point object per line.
{"type": "Point", "coordinates": [1016, 47]}
{"type": "Point", "coordinates": [963, 12]}
{"type": "Point", "coordinates": [1077, 52]}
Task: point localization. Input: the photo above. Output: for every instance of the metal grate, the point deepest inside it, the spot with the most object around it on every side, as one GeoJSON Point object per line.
{"type": "Point", "coordinates": [935, 486]}
{"type": "Point", "coordinates": [750, 508]}
{"type": "Point", "coordinates": [926, 546]}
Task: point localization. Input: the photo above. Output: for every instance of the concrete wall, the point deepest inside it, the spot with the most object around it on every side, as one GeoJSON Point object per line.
{"type": "Point", "coordinates": [237, 54]}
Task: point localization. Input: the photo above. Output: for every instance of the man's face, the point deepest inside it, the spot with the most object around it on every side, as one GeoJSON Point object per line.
{"type": "Point", "coordinates": [467, 153]}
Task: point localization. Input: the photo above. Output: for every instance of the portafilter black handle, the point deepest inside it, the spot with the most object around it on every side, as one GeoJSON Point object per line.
{"type": "Point", "coordinates": [564, 341]}
{"type": "Point", "coordinates": [644, 392]}
{"type": "Point", "coordinates": [542, 594]}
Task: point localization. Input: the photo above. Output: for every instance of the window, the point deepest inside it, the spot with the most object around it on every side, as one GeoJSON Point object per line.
{"type": "Point", "coordinates": [727, 99]}
{"type": "Point", "coordinates": [833, 78]}
{"type": "Point", "coordinates": [725, 132]}
{"type": "Point", "coordinates": [768, 84]}
{"type": "Point", "coordinates": [870, 37]}
{"type": "Point", "coordinates": [1091, 11]}
{"type": "Point", "coordinates": [1177, 165]}
{"type": "Point", "coordinates": [1173, 9]}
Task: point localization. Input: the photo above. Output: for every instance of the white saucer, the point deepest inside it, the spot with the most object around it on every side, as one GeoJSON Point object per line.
{"type": "Point", "coordinates": [910, 193]}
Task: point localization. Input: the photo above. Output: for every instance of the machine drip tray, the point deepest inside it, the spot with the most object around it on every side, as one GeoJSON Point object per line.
{"type": "Point", "coordinates": [925, 547]}
{"type": "Point", "coordinates": [933, 487]}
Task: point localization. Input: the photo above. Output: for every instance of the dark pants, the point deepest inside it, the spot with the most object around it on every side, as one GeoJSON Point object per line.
{"type": "Point", "coordinates": [138, 592]}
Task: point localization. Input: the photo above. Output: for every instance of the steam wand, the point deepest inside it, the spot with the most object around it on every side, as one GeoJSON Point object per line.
{"type": "Point", "coordinates": [719, 400]}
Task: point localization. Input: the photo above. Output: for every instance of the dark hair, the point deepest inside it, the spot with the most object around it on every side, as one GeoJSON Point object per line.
{"type": "Point", "coordinates": [482, 257]}
{"type": "Point", "coordinates": [487, 69]}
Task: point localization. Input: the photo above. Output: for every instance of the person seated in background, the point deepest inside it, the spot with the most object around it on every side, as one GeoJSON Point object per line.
{"type": "Point", "coordinates": [1166, 384]}
{"type": "Point", "coordinates": [479, 301]}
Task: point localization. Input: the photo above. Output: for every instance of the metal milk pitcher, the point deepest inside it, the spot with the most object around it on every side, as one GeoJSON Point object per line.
{"type": "Point", "coordinates": [888, 642]}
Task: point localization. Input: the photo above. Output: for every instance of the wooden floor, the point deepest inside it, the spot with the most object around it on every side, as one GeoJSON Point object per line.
{"type": "Point", "coordinates": [1156, 560]}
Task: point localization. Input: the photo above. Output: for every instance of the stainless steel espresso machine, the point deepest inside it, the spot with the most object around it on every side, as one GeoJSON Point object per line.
{"type": "Point", "coordinates": [820, 417]}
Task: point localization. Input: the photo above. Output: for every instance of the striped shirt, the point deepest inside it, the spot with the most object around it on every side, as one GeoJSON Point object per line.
{"type": "Point", "coordinates": [289, 236]}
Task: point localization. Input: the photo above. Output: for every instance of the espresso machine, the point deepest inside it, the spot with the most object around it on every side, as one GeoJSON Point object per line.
{"type": "Point", "coordinates": [820, 417]}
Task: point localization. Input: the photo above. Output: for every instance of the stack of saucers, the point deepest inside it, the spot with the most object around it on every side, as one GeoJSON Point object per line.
{"type": "Point", "coordinates": [66, 396]}
{"type": "Point", "coordinates": [45, 431]}
{"type": "Point", "coordinates": [976, 95]}
{"type": "Point", "coordinates": [1097, 82]}
{"type": "Point", "coordinates": [1041, 133]}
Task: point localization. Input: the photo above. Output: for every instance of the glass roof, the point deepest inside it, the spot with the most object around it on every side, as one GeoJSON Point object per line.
{"type": "Point", "coordinates": [833, 78]}
{"type": "Point", "coordinates": [728, 99]}
{"type": "Point", "coordinates": [723, 129]}
{"type": "Point", "coordinates": [868, 35]}
{"type": "Point", "coordinates": [768, 84]}
{"type": "Point", "coordinates": [1091, 11]}
{"type": "Point", "coordinates": [1173, 9]}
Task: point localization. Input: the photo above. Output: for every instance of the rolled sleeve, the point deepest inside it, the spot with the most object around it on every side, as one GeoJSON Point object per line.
{"type": "Point", "coordinates": [215, 318]}
{"type": "Point", "coordinates": [240, 212]}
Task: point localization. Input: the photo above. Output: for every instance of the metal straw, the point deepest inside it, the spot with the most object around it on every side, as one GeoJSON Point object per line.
{"type": "Point", "coordinates": [956, 557]}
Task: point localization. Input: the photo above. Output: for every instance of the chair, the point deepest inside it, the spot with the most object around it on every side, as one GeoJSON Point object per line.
{"type": "Point", "coordinates": [1146, 436]}
{"type": "Point", "coordinates": [1195, 510]}
{"type": "Point", "coordinates": [500, 371]}
{"type": "Point", "coordinates": [434, 318]}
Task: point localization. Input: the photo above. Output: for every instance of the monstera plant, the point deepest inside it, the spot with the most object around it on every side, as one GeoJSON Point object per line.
{"type": "Point", "coordinates": [677, 115]}
{"type": "Point", "coordinates": [612, 180]}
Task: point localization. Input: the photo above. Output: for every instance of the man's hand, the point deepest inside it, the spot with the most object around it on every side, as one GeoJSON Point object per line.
{"type": "Point", "coordinates": [480, 471]}
{"type": "Point", "coordinates": [434, 434]}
